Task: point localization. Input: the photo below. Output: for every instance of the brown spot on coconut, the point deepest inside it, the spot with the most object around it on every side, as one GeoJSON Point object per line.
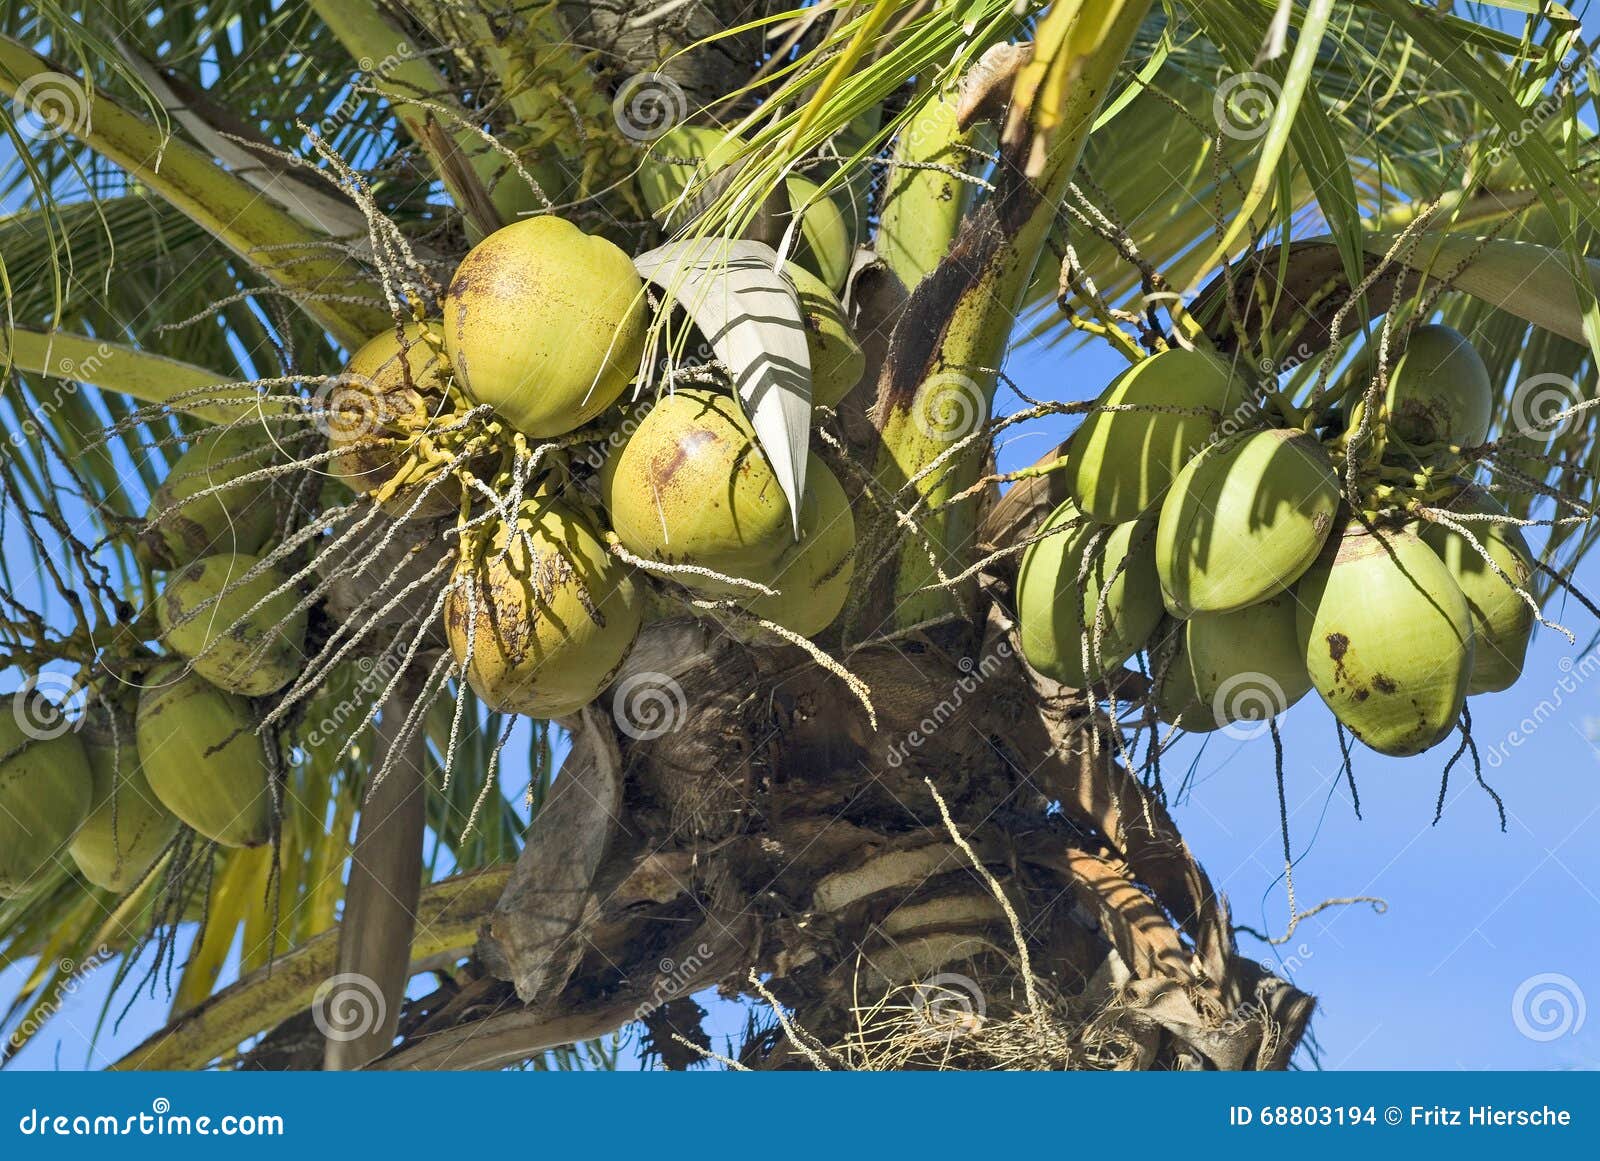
{"type": "Point", "coordinates": [1402, 619]}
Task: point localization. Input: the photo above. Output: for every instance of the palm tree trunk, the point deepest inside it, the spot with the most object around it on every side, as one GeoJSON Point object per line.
{"type": "Point", "coordinates": [1056, 920]}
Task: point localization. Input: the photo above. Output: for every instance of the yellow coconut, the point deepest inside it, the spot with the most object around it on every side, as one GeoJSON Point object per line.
{"type": "Point", "coordinates": [1120, 462]}
{"type": "Point", "coordinates": [837, 360]}
{"type": "Point", "coordinates": [543, 627]}
{"type": "Point", "coordinates": [1387, 638]}
{"type": "Point", "coordinates": [545, 323]}
{"type": "Point", "coordinates": [1243, 520]}
{"type": "Point", "coordinates": [46, 788]}
{"type": "Point", "coordinates": [692, 486]}
{"type": "Point", "coordinates": [128, 827]}
{"type": "Point", "coordinates": [813, 576]}
{"type": "Point", "coordinates": [390, 387]}
{"type": "Point", "coordinates": [187, 520]}
{"type": "Point", "coordinates": [1088, 597]}
{"type": "Point", "coordinates": [243, 633]}
{"type": "Point", "coordinates": [1502, 621]}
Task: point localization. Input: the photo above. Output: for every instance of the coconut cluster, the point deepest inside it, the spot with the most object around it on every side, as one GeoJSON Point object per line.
{"type": "Point", "coordinates": [1211, 533]}
{"type": "Point", "coordinates": [575, 485]}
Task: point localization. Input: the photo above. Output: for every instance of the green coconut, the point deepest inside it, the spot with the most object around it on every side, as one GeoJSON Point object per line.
{"type": "Point", "coordinates": [688, 153]}
{"type": "Point", "coordinates": [1502, 621]}
{"type": "Point", "coordinates": [251, 639]}
{"type": "Point", "coordinates": [837, 360]}
{"type": "Point", "coordinates": [388, 386]}
{"type": "Point", "coordinates": [544, 627]}
{"type": "Point", "coordinates": [1173, 692]}
{"type": "Point", "coordinates": [202, 757]}
{"type": "Point", "coordinates": [692, 486]}
{"type": "Point", "coordinates": [678, 157]}
{"type": "Point", "coordinates": [1243, 520]}
{"type": "Point", "coordinates": [1221, 668]}
{"type": "Point", "coordinates": [1247, 663]}
{"type": "Point", "coordinates": [1057, 614]}
{"type": "Point", "coordinates": [128, 827]}
{"type": "Point", "coordinates": [1119, 463]}
{"type": "Point", "coordinates": [545, 323]}
{"type": "Point", "coordinates": [182, 524]}
{"type": "Point", "coordinates": [1387, 638]}
{"type": "Point", "coordinates": [826, 242]}
{"type": "Point", "coordinates": [46, 788]}
{"type": "Point", "coordinates": [813, 575]}
{"type": "Point", "coordinates": [1439, 390]}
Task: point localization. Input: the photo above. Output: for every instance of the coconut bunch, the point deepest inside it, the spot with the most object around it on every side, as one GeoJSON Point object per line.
{"type": "Point", "coordinates": [571, 490]}
{"type": "Point", "coordinates": [1256, 552]}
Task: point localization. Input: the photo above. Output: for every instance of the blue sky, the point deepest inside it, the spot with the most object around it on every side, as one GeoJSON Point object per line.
{"type": "Point", "coordinates": [1481, 927]}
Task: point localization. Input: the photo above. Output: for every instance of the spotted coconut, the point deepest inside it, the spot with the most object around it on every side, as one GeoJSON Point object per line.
{"type": "Point", "coordinates": [1387, 637]}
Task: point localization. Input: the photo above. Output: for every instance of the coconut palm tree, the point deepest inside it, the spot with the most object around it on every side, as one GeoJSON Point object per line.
{"type": "Point", "coordinates": [904, 843]}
